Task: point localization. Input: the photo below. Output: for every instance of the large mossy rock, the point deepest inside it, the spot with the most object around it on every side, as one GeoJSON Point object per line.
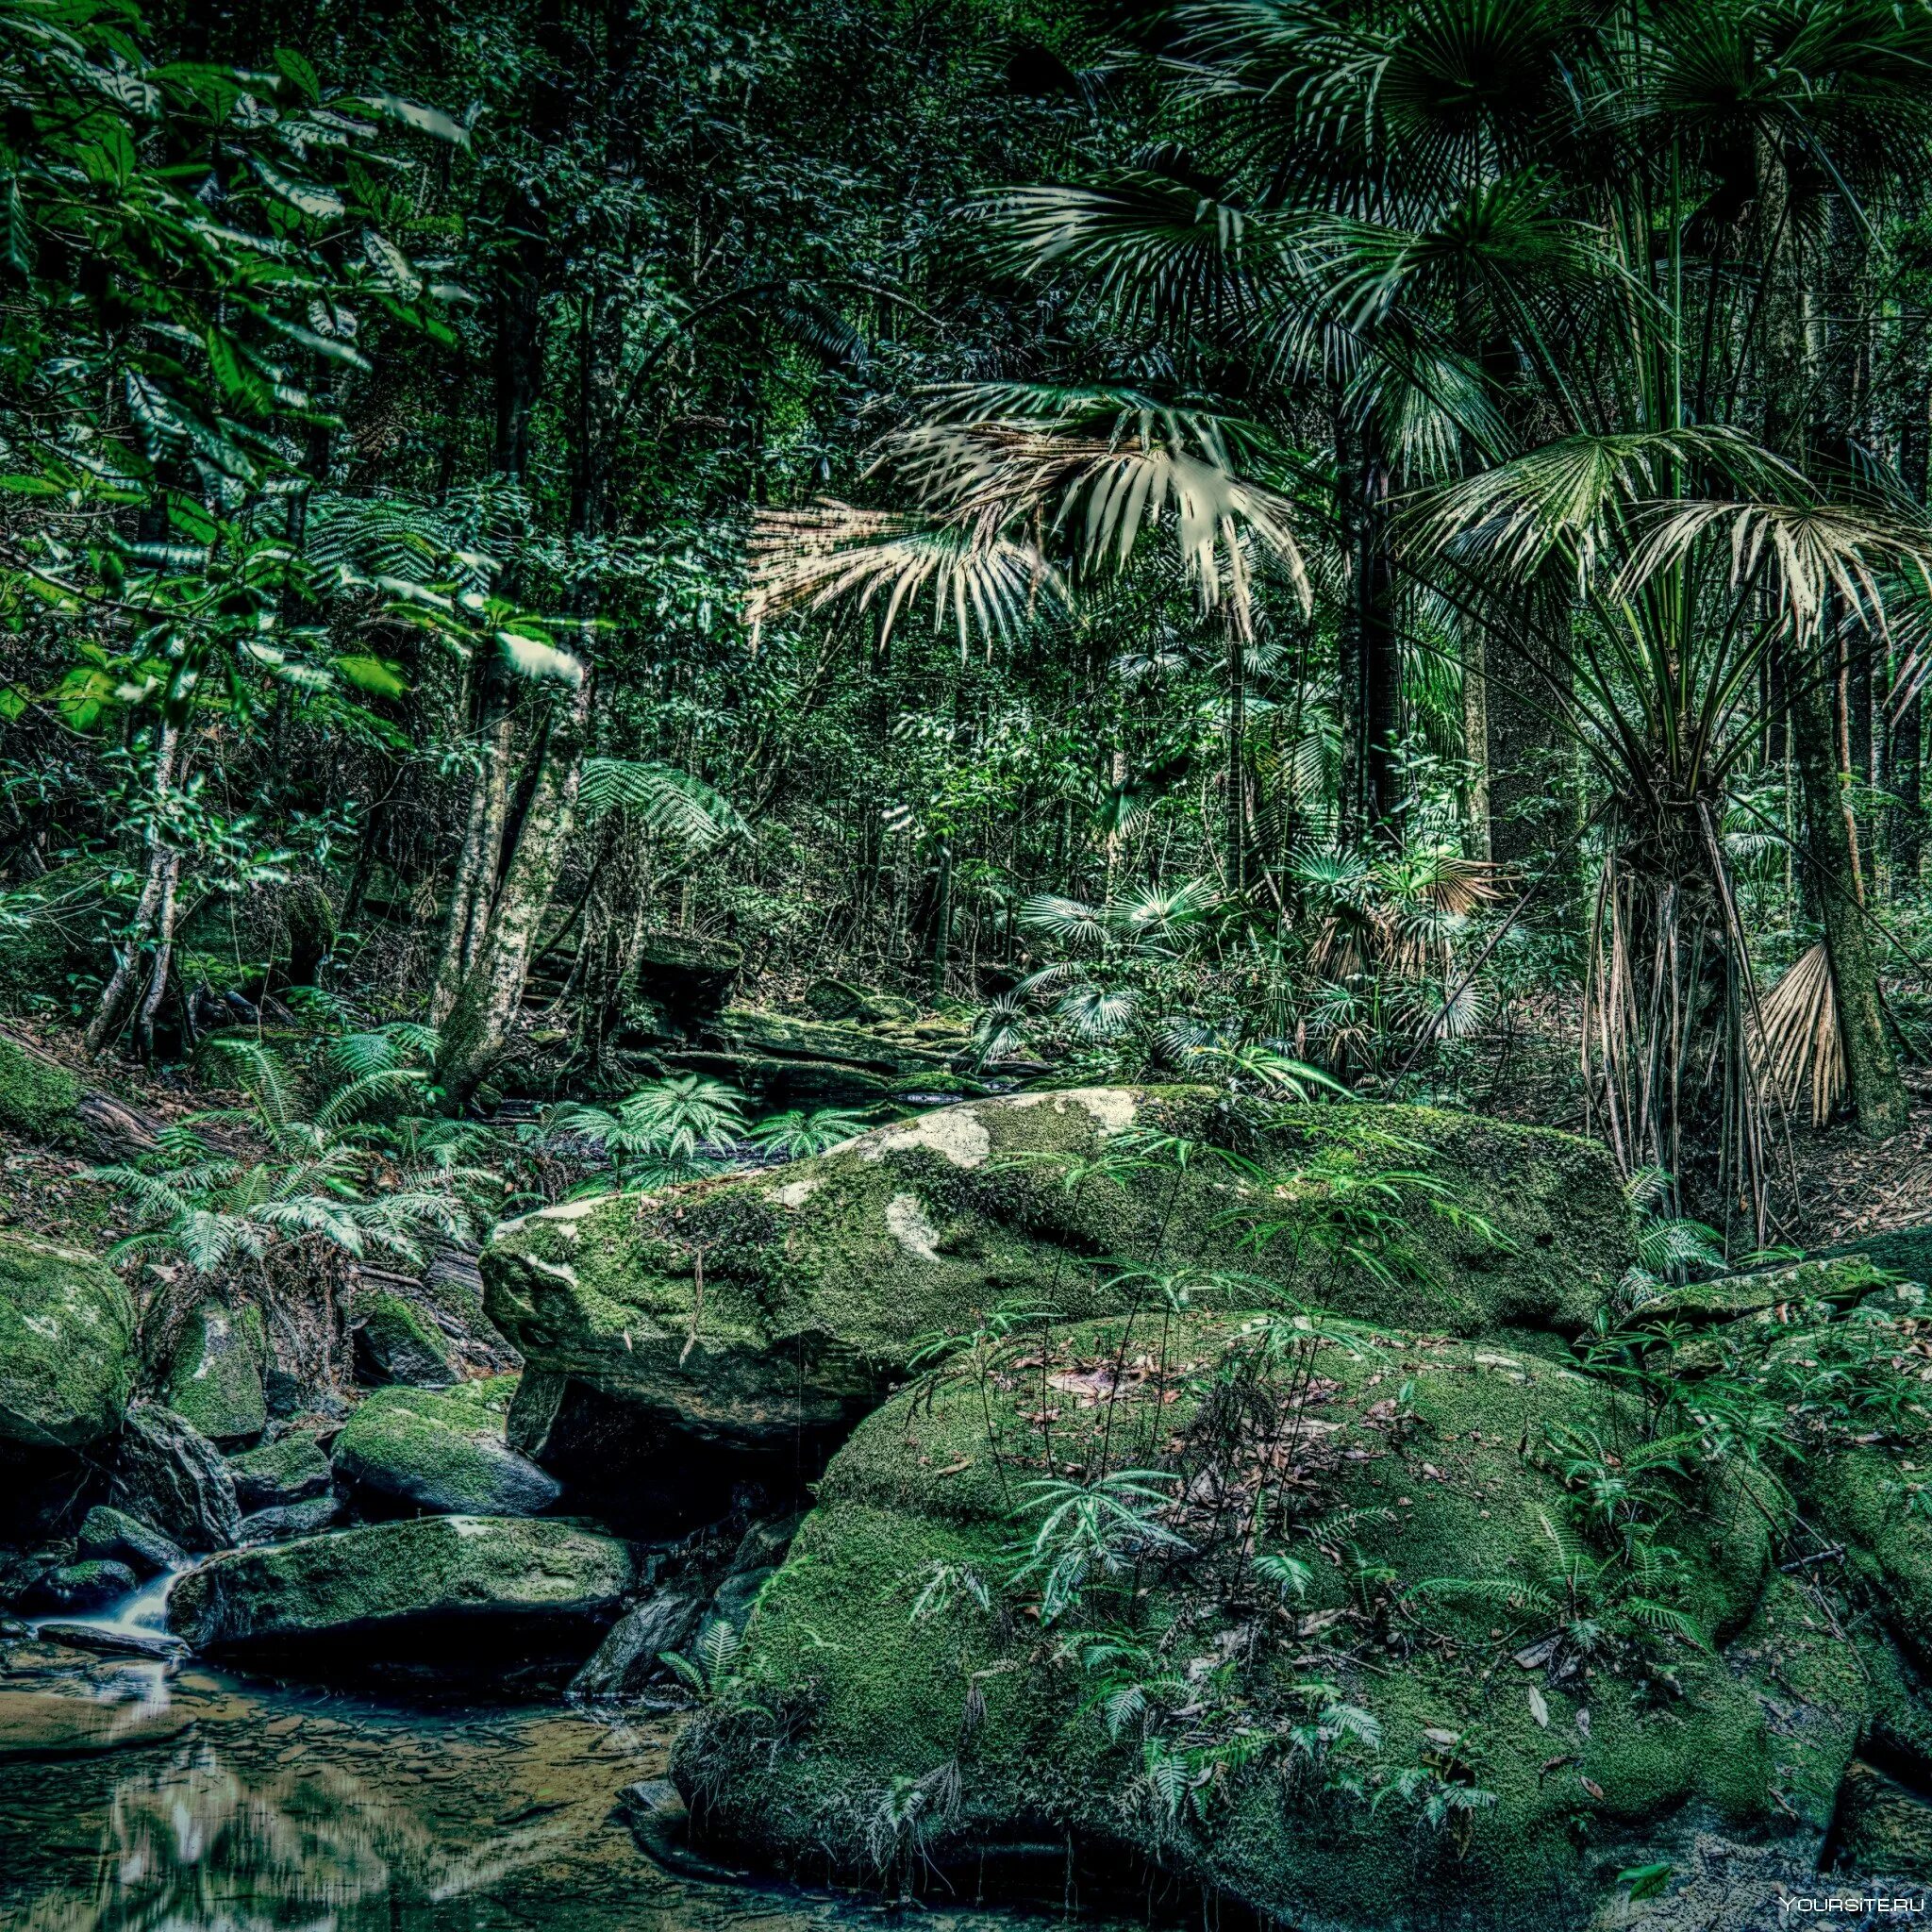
{"type": "Point", "coordinates": [67, 1345]}
{"type": "Point", "coordinates": [169, 1475]}
{"type": "Point", "coordinates": [821, 1281]}
{"type": "Point", "coordinates": [1430, 1726]}
{"type": "Point", "coordinates": [441, 1453]}
{"type": "Point", "coordinates": [396, 1342]}
{"type": "Point", "coordinates": [432, 1571]}
{"type": "Point", "coordinates": [39, 1098]}
{"type": "Point", "coordinates": [215, 1377]}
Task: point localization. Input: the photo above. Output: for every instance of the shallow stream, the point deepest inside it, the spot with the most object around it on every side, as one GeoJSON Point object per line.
{"type": "Point", "coordinates": [202, 1803]}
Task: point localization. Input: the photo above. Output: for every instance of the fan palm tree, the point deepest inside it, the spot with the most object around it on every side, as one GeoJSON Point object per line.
{"type": "Point", "coordinates": [1545, 268]}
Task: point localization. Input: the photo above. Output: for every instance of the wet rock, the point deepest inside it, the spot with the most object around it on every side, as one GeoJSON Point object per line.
{"type": "Point", "coordinates": [735, 1598]}
{"type": "Point", "coordinates": [443, 1453]}
{"type": "Point", "coordinates": [286, 1520]}
{"type": "Point", "coordinates": [387, 1575]}
{"type": "Point", "coordinates": [170, 1475]}
{"type": "Point", "coordinates": [67, 1345]}
{"type": "Point", "coordinates": [630, 1657]}
{"type": "Point", "coordinates": [115, 1536]}
{"type": "Point", "coordinates": [396, 1342]}
{"type": "Point", "coordinates": [214, 1381]}
{"type": "Point", "coordinates": [820, 1279]}
{"type": "Point", "coordinates": [92, 1584]}
{"type": "Point", "coordinates": [20, 1569]}
{"type": "Point", "coordinates": [105, 1643]}
{"type": "Point", "coordinates": [49, 1724]}
{"type": "Point", "coordinates": [290, 1471]}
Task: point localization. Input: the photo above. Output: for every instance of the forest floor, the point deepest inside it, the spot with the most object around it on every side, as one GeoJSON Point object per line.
{"type": "Point", "coordinates": [1848, 1186]}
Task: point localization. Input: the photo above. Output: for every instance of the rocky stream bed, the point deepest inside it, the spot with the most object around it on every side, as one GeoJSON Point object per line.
{"type": "Point", "coordinates": [1413, 1611]}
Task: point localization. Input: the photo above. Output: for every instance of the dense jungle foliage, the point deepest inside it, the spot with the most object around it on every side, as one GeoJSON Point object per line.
{"type": "Point", "coordinates": [1371, 543]}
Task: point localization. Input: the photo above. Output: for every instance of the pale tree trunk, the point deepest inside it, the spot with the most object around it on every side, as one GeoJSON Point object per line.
{"type": "Point", "coordinates": [1877, 1093]}
{"type": "Point", "coordinates": [164, 957]}
{"type": "Point", "coordinates": [117, 996]}
{"type": "Point", "coordinates": [477, 862]}
{"type": "Point", "coordinates": [476, 1029]}
{"type": "Point", "coordinates": [1476, 744]}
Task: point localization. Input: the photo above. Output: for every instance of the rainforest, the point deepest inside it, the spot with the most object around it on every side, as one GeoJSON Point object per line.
{"type": "Point", "coordinates": [965, 960]}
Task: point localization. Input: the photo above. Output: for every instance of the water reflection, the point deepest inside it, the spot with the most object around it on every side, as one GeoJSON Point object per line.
{"type": "Point", "coordinates": [280, 1813]}
{"type": "Point", "coordinates": [292, 1811]}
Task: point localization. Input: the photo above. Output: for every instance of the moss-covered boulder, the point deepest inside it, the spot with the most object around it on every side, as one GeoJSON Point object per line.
{"type": "Point", "coordinates": [67, 1345]}
{"type": "Point", "coordinates": [1365, 1652]}
{"type": "Point", "coordinates": [113, 1536]}
{"type": "Point", "coordinates": [293, 1470]}
{"type": "Point", "coordinates": [215, 1377]}
{"type": "Point", "coordinates": [37, 1097]}
{"type": "Point", "coordinates": [752, 1309]}
{"type": "Point", "coordinates": [442, 1453]}
{"type": "Point", "coordinates": [396, 1342]}
{"type": "Point", "coordinates": [168, 1473]}
{"type": "Point", "coordinates": [434, 1570]}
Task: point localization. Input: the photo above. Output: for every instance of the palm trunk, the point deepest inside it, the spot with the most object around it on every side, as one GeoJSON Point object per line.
{"type": "Point", "coordinates": [1877, 1093]}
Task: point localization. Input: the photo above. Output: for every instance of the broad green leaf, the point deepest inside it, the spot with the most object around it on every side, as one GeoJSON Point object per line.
{"type": "Point", "coordinates": [375, 675]}
{"type": "Point", "coordinates": [391, 263]}
{"type": "Point", "coordinates": [308, 196]}
{"type": "Point", "coordinates": [295, 68]}
{"type": "Point", "coordinates": [423, 120]}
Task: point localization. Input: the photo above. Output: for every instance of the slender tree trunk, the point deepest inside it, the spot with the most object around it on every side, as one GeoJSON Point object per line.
{"type": "Point", "coordinates": [110, 1014]}
{"type": "Point", "coordinates": [1236, 756]}
{"type": "Point", "coordinates": [1876, 1091]}
{"type": "Point", "coordinates": [1379, 658]}
{"type": "Point", "coordinates": [477, 1026]}
{"type": "Point", "coordinates": [1475, 746]}
{"type": "Point", "coordinates": [164, 957]}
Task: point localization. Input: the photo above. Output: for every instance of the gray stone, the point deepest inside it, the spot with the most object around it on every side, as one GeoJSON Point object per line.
{"type": "Point", "coordinates": [734, 1599]}
{"type": "Point", "coordinates": [67, 1347]}
{"type": "Point", "coordinates": [170, 1475]}
{"type": "Point", "coordinates": [390, 1575]}
{"type": "Point", "coordinates": [289, 1520]}
{"type": "Point", "coordinates": [107, 1643]}
{"type": "Point", "coordinates": [290, 1471]}
{"type": "Point", "coordinates": [630, 1655]}
{"type": "Point", "coordinates": [92, 1585]}
{"type": "Point", "coordinates": [396, 1342]}
{"type": "Point", "coordinates": [115, 1537]}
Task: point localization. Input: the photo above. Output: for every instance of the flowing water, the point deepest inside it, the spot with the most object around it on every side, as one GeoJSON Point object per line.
{"type": "Point", "coordinates": [138, 1796]}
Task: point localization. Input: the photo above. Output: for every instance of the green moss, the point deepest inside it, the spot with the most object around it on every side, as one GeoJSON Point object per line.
{"type": "Point", "coordinates": [393, 1572]}
{"type": "Point", "coordinates": [288, 1471]}
{"type": "Point", "coordinates": [67, 1345]}
{"type": "Point", "coordinates": [36, 1097]}
{"type": "Point", "coordinates": [1732, 1296]}
{"type": "Point", "coordinates": [821, 1281]}
{"type": "Point", "coordinates": [1433, 1456]}
{"type": "Point", "coordinates": [1863, 1500]}
{"type": "Point", "coordinates": [396, 1342]}
{"type": "Point", "coordinates": [215, 1378]}
{"type": "Point", "coordinates": [443, 1453]}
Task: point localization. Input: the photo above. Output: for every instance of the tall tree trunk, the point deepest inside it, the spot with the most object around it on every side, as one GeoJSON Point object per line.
{"type": "Point", "coordinates": [1876, 1091]}
{"type": "Point", "coordinates": [1379, 658]}
{"type": "Point", "coordinates": [117, 996]}
{"type": "Point", "coordinates": [476, 1029]}
{"type": "Point", "coordinates": [1476, 744]}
